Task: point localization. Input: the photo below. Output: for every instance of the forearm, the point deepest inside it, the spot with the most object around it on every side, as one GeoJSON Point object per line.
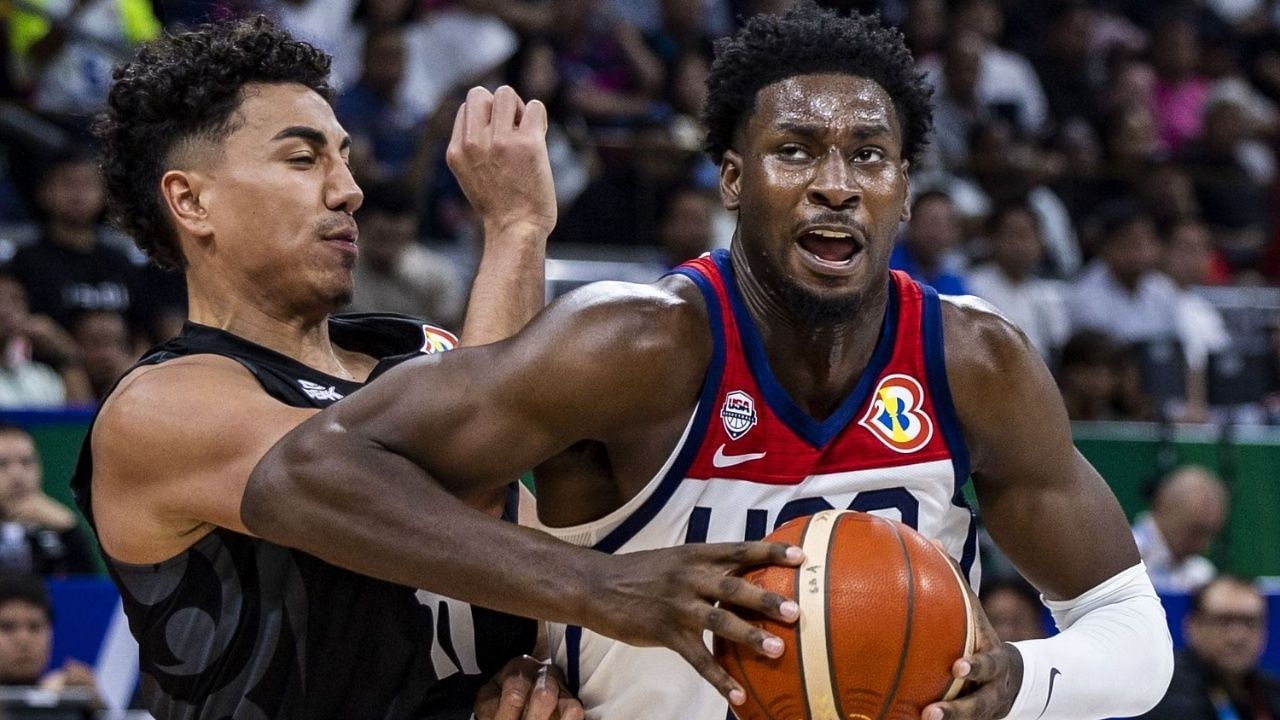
{"type": "Point", "coordinates": [510, 284]}
{"type": "Point", "coordinates": [1113, 657]}
{"type": "Point", "coordinates": [378, 514]}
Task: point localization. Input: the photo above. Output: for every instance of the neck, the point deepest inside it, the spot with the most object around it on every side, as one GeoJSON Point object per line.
{"type": "Point", "coordinates": [302, 334]}
{"type": "Point", "coordinates": [73, 236]}
{"type": "Point", "coordinates": [817, 363]}
{"type": "Point", "coordinates": [1012, 275]}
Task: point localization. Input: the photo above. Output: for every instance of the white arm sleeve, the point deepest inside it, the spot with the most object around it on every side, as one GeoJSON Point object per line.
{"type": "Point", "coordinates": [1112, 658]}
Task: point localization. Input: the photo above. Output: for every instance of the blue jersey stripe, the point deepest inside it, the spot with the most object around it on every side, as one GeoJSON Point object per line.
{"type": "Point", "coordinates": [671, 481]}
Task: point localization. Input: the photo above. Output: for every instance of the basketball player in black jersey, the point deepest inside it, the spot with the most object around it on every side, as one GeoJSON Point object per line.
{"type": "Point", "coordinates": [223, 158]}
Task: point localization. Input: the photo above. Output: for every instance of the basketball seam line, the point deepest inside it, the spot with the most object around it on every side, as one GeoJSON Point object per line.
{"type": "Point", "coordinates": [826, 609]}
{"type": "Point", "coordinates": [804, 683]}
{"type": "Point", "coordinates": [906, 637]}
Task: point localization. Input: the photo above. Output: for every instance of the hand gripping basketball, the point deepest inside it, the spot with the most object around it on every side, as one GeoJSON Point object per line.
{"type": "Point", "coordinates": [992, 676]}
{"type": "Point", "coordinates": [668, 597]}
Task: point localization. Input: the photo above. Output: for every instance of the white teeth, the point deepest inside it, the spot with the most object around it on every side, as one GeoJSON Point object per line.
{"type": "Point", "coordinates": [831, 234]}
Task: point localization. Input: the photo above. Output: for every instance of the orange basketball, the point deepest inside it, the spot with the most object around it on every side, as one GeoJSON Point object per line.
{"type": "Point", "coordinates": [883, 615]}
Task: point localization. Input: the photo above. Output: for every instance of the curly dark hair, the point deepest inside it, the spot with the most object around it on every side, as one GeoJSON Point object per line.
{"type": "Point", "coordinates": [180, 88]}
{"type": "Point", "coordinates": [810, 39]}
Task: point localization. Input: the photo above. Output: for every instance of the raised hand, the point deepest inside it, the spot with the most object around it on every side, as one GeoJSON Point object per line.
{"type": "Point", "coordinates": [498, 152]}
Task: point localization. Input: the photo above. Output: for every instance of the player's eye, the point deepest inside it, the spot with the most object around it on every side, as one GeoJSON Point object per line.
{"type": "Point", "coordinates": [792, 151]}
{"type": "Point", "coordinates": [302, 159]}
{"type": "Point", "coordinates": [869, 155]}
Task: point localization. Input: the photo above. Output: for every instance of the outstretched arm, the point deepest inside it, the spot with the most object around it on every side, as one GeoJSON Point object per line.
{"type": "Point", "coordinates": [1059, 523]}
{"type": "Point", "coordinates": [366, 484]}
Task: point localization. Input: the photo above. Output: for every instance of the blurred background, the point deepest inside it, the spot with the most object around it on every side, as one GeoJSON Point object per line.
{"type": "Point", "coordinates": [1104, 172]}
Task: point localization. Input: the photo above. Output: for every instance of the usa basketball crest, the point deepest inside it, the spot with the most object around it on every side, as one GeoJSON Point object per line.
{"type": "Point", "coordinates": [895, 416]}
{"type": "Point", "coordinates": [738, 414]}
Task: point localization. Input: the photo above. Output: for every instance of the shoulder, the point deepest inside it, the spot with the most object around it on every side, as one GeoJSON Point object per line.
{"type": "Point", "coordinates": [989, 360]}
{"type": "Point", "coordinates": [158, 400]}
{"type": "Point", "coordinates": [664, 318]}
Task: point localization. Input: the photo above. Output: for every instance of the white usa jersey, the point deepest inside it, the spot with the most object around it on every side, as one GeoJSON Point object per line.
{"type": "Point", "coordinates": [751, 459]}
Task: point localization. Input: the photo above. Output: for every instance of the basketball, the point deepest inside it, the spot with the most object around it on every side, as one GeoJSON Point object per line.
{"type": "Point", "coordinates": [883, 615]}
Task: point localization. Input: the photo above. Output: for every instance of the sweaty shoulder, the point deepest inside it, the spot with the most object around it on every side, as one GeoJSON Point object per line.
{"type": "Point", "coordinates": [657, 328]}
{"type": "Point", "coordinates": [994, 374]}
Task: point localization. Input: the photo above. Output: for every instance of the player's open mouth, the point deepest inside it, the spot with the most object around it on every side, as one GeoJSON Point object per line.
{"type": "Point", "coordinates": [831, 247]}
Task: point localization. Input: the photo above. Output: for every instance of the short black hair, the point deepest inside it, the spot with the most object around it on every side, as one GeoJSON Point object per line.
{"type": "Point", "coordinates": [1197, 598]}
{"type": "Point", "coordinates": [1013, 584]}
{"type": "Point", "coordinates": [929, 196]}
{"type": "Point", "coordinates": [1007, 208]}
{"type": "Point", "coordinates": [808, 39]}
{"type": "Point", "coordinates": [183, 87]}
{"type": "Point", "coordinates": [7, 427]}
{"type": "Point", "coordinates": [28, 589]}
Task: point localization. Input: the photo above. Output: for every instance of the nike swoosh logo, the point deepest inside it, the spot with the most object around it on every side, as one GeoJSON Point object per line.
{"type": "Point", "coordinates": [1053, 675]}
{"type": "Point", "coordinates": [721, 460]}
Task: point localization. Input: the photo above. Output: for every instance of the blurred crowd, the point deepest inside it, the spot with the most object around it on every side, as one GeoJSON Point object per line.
{"type": "Point", "coordinates": [1103, 172]}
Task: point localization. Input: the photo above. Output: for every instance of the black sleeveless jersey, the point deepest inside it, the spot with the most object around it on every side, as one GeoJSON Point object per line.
{"type": "Point", "coordinates": [237, 627]}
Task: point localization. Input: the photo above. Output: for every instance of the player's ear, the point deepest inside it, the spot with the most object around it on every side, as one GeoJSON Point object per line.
{"type": "Point", "coordinates": [181, 190]}
{"type": "Point", "coordinates": [905, 215]}
{"type": "Point", "coordinates": [730, 176]}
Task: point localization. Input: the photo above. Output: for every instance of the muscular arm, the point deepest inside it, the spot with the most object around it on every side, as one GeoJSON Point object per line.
{"type": "Point", "coordinates": [1063, 529]}
{"type": "Point", "coordinates": [1045, 506]}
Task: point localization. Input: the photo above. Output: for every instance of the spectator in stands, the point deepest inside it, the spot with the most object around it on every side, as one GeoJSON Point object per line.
{"type": "Point", "coordinates": [1180, 91]}
{"type": "Point", "coordinates": [1188, 510]}
{"type": "Point", "coordinates": [1233, 200]}
{"type": "Point", "coordinates": [957, 105]}
{"type": "Point", "coordinates": [1010, 167]}
{"type": "Point", "coordinates": [1072, 75]}
{"type": "Point", "coordinates": [1121, 292]}
{"type": "Point", "coordinates": [1216, 677]}
{"type": "Point", "coordinates": [393, 272]}
{"type": "Point", "coordinates": [103, 341]}
{"type": "Point", "coordinates": [383, 132]}
{"type": "Point", "coordinates": [1014, 608]}
{"type": "Point", "coordinates": [67, 50]}
{"type": "Point", "coordinates": [56, 544]}
{"type": "Point", "coordinates": [25, 382]}
{"type": "Point", "coordinates": [1188, 253]}
{"type": "Point", "coordinates": [70, 268]}
{"type": "Point", "coordinates": [1009, 281]}
{"type": "Point", "coordinates": [686, 230]}
{"type": "Point", "coordinates": [1007, 84]}
{"type": "Point", "coordinates": [1097, 380]}
{"type": "Point", "coordinates": [613, 77]}
{"type": "Point", "coordinates": [26, 640]}
{"type": "Point", "coordinates": [927, 250]}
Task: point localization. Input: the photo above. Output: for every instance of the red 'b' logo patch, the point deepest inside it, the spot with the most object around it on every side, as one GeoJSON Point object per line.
{"type": "Point", "coordinates": [895, 417]}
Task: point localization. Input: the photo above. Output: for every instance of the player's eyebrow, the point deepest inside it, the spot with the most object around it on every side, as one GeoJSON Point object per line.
{"type": "Point", "coordinates": [814, 130]}
{"type": "Point", "coordinates": [311, 135]}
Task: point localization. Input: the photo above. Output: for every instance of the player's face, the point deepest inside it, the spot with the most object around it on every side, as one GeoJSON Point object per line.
{"type": "Point", "coordinates": [280, 198]}
{"type": "Point", "coordinates": [25, 642]}
{"type": "Point", "coordinates": [1230, 631]}
{"type": "Point", "coordinates": [818, 177]}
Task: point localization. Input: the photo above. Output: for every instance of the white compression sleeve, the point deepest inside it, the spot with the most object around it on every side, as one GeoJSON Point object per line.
{"type": "Point", "coordinates": [1112, 658]}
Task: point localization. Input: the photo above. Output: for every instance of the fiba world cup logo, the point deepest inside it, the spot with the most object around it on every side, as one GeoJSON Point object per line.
{"type": "Point", "coordinates": [895, 417]}
{"type": "Point", "coordinates": [738, 414]}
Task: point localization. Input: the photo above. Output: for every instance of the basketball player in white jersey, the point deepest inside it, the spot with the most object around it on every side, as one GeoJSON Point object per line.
{"type": "Point", "coordinates": [792, 374]}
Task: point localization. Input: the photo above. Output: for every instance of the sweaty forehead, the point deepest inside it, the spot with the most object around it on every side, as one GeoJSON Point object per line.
{"type": "Point", "coordinates": [831, 100]}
